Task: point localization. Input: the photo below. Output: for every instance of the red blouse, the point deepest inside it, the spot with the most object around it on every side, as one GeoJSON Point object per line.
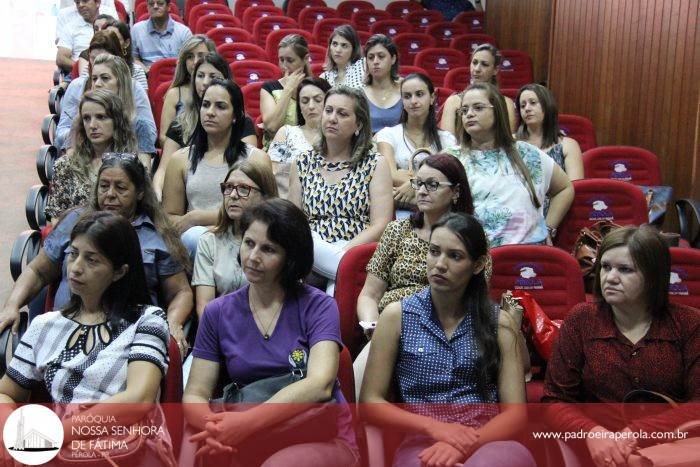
{"type": "Point", "coordinates": [592, 361]}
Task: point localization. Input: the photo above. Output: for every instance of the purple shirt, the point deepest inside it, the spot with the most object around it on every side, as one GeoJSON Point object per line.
{"type": "Point", "coordinates": [228, 334]}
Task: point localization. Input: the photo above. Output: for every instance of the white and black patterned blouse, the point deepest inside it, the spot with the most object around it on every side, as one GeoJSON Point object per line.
{"type": "Point", "coordinates": [87, 363]}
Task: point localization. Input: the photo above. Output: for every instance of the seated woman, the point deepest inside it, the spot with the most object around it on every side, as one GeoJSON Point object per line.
{"type": "Point", "coordinates": [540, 127]}
{"type": "Point", "coordinates": [191, 194]}
{"type": "Point", "coordinates": [630, 338]}
{"type": "Point", "coordinates": [266, 329]}
{"type": "Point", "coordinates": [342, 185]}
{"type": "Point", "coordinates": [112, 73]}
{"type": "Point", "coordinates": [291, 141]}
{"type": "Point", "coordinates": [107, 344]}
{"type": "Point", "coordinates": [278, 106]}
{"type": "Point", "coordinates": [382, 82]}
{"type": "Point", "coordinates": [122, 187]}
{"type": "Point", "coordinates": [484, 65]}
{"type": "Point", "coordinates": [121, 30]}
{"type": "Point", "coordinates": [344, 62]}
{"type": "Point", "coordinates": [448, 344]}
{"type": "Point", "coordinates": [509, 179]}
{"type": "Point", "coordinates": [417, 129]}
{"type": "Point", "coordinates": [103, 127]}
{"type": "Point", "coordinates": [179, 95]}
{"type": "Point", "coordinates": [181, 129]}
{"type": "Point", "coordinates": [216, 271]}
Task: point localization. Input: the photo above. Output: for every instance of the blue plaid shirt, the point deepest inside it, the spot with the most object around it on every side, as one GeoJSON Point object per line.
{"type": "Point", "coordinates": [151, 45]}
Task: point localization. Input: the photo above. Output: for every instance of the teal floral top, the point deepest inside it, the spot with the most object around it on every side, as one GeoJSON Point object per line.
{"type": "Point", "coordinates": [501, 198]}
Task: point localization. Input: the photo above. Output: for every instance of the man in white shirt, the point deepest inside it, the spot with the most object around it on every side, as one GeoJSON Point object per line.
{"type": "Point", "coordinates": [74, 29]}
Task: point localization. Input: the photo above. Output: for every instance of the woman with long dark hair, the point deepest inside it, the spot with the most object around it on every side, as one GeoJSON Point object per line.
{"type": "Point", "coordinates": [382, 82]}
{"type": "Point", "coordinates": [345, 64]}
{"type": "Point", "coordinates": [450, 346]}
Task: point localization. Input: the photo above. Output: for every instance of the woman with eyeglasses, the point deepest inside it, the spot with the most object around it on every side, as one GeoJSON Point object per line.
{"type": "Point", "coordinates": [216, 271]}
{"type": "Point", "coordinates": [509, 179]}
{"type": "Point", "coordinates": [103, 127]}
{"type": "Point", "coordinates": [123, 187]}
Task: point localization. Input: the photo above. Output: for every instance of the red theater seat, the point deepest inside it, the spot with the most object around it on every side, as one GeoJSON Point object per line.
{"type": "Point", "coordinates": [309, 16]}
{"type": "Point", "coordinates": [206, 9]}
{"type": "Point", "coordinates": [222, 36]}
{"type": "Point", "coordinates": [242, 5]}
{"type": "Point", "coordinates": [438, 61]}
{"type": "Point", "coordinates": [295, 7]}
{"type": "Point", "coordinates": [266, 25]}
{"type": "Point", "coordinates": [409, 44]}
{"type": "Point", "coordinates": [422, 19]}
{"type": "Point", "coordinates": [162, 71]}
{"type": "Point", "coordinates": [405, 70]}
{"type": "Point", "coordinates": [515, 70]}
{"type": "Point", "coordinates": [684, 286]}
{"type": "Point", "coordinates": [324, 28]}
{"type": "Point", "coordinates": [253, 13]}
{"type": "Point", "coordinates": [208, 22]}
{"type": "Point", "coordinates": [401, 9]}
{"type": "Point", "coordinates": [468, 42]}
{"type": "Point", "coordinates": [626, 163]}
{"type": "Point", "coordinates": [190, 4]}
{"type": "Point", "coordinates": [241, 51]}
{"type": "Point", "coordinates": [251, 71]}
{"type": "Point", "coordinates": [364, 19]}
{"type": "Point", "coordinates": [579, 128]}
{"type": "Point", "coordinates": [445, 31]}
{"type": "Point", "coordinates": [458, 78]}
{"type": "Point", "coordinates": [391, 27]}
{"type": "Point", "coordinates": [348, 7]}
{"type": "Point", "coordinates": [251, 97]}
{"type": "Point", "coordinates": [274, 38]}
{"type": "Point", "coordinates": [474, 20]}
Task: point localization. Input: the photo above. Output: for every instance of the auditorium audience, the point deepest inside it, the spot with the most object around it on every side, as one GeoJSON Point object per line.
{"type": "Point", "coordinates": [293, 140]}
{"type": "Point", "coordinates": [417, 129]}
{"type": "Point", "coordinates": [629, 338]}
{"type": "Point", "coordinates": [159, 36]}
{"type": "Point", "coordinates": [216, 271]}
{"type": "Point", "coordinates": [112, 73]}
{"type": "Point", "coordinates": [453, 356]}
{"type": "Point", "coordinates": [106, 345]}
{"type": "Point", "coordinates": [191, 194]}
{"type": "Point", "coordinates": [268, 328]}
{"type": "Point", "coordinates": [509, 179]}
{"type": "Point", "coordinates": [539, 126]}
{"type": "Point", "coordinates": [342, 184]}
{"type": "Point", "coordinates": [344, 61]}
{"type": "Point", "coordinates": [102, 126]}
{"type": "Point", "coordinates": [483, 67]}
{"type": "Point", "coordinates": [278, 106]}
{"type": "Point", "coordinates": [179, 95]}
{"type": "Point", "coordinates": [382, 82]}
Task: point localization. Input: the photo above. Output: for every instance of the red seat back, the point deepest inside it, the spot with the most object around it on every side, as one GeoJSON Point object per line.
{"type": "Point", "coordinates": [253, 13]}
{"type": "Point", "coordinates": [364, 19]}
{"type": "Point", "coordinates": [551, 275]}
{"type": "Point", "coordinates": [684, 286]}
{"type": "Point", "coordinates": [265, 25]}
{"type": "Point", "coordinates": [225, 35]}
{"type": "Point", "coordinates": [190, 4]}
{"type": "Point", "coordinates": [515, 70]}
{"type": "Point", "coordinates": [438, 61]}
{"type": "Point", "coordinates": [309, 16]}
{"type": "Point", "coordinates": [241, 51]}
{"type": "Point", "coordinates": [349, 282]}
{"type": "Point", "coordinates": [274, 38]}
{"type": "Point", "coordinates": [162, 71]}
{"type": "Point", "coordinates": [251, 98]}
{"type": "Point", "coordinates": [391, 27]}
{"type": "Point", "coordinates": [206, 9]}
{"type": "Point", "coordinates": [579, 128]}
{"type": "Point", "coordinates": [346, 375]}
{"type": "Point", "coordinates": [324, 28]}
{"type": "Point", "coordinates": [317, 54]}
{"type": "Point", "coordinates": [458, 78]}
{"type": "Point", "coordinates": [445, 31]}
{"type": "Point", "coordinates": [242, 5]}
{"type": "Point", "coordinates": [474, 20]}
{"type": "Point", "coordinates": [401, 9]}
{"type": "Point", "coordinates": [441, 95]}
{"type": "Point", "coordinates": [422, 19]}
{"type": "Point", "coordinates": [158, 98]}
{"type": "Point", "coordinates": [295, 7]}
{"type": "Point", "coordinates": [405, 70]}
{"type": "Point", "coordinates": [409, 44]}
{"type": "Point", "coordinates": [121, 11]}
{"type": "Point", "coordinates": [599, 199]}
{"type": "Point", "coordinates": [251, 71]}
{"type": "Point", "coordinates": [346, 8]}
{"type": "Point", "coordinates": [468, 42]}
{"type": "Point", "coordinates": [626, 163]}
{"type": "Point", "coordinates": [512, 93]}
{"type": "Point", "coordinates": [208, 22]}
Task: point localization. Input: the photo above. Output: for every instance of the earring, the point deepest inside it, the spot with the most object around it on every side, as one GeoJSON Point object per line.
{"type": "Point", "coordinates": [357, 132]}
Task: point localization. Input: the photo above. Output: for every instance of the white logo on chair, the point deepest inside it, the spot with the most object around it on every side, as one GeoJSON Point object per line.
{"type": "Point", "coordinates": [254, 77]}
{"type": "Point", "coordinates": [474, 46]}
{"type": "Point", "coordinates": [240, 56]}
{"type": "Point", "coordinates": [219, 25]}
{"type": "Point", "coordinates": [620, 171]}
{"type": "Point", "coordinates": [276, 27]}
{"type": "Point", "coordinates": [442, 62]}
{"type": "Point", "coordinates": [675, 282]}
{"type": "Point", "coordinates": [448, 33]}
{"type": "Point", "coordinates": [414, 45]}
{"type": "Point", "coordinates": [372, 19]}
{"type": "Point", "coordinates": [392, 31]}
{"type": "Point", "coordinates": [229, 40]}
{"type": "Point", "coordinates": [265, 15]}
{"type": "Point", "coordinates": [404, 11]}
{"type": "Point", "coordinates": [211, 13]}
{"type": "Point", "coordinates": [355, 10]}
{"type": "Point", "coordinates": [528, 279]}
{"type": "Point", "coordinates": [319, 16]}
{"type": "Point", "coordinates": [475, 22]}
{"type": "Point", "coordinates": [600, 210]}
{"type": "Point", "coordinates": [424, 21]}
{"type": "Point", "coordinates": [506, 63]}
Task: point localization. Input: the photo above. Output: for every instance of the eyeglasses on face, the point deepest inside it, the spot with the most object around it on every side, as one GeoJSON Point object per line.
{"type": "Point", "coordinates": [477, 108]}
{"type": "Point", "coordinates": [127, 156]}
{"type": "Point", "coordinates": [243, 191]}
{"type": "Point", "coordinates": [430, 185]}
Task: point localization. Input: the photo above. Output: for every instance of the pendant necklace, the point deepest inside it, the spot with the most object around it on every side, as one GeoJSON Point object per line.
{"type": "Point", "coordinates": [266, 330]}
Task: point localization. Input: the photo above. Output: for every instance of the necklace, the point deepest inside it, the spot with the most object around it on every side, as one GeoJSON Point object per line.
{"type": "Point", "coordinates": [336, 166]}
{"type": "Point", "coordinates": [266, 329]}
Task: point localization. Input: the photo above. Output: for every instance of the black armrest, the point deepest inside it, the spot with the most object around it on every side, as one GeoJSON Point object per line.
{"type": "Point", "coordinates": [48, 128]}
{"type": "Point", "coordinates": [55, 96]}
{"type": "Point", "coordinates": [34, 206]}
{"type": "Point", "coordinates": [45, 158]}
{"type": "Point", "coordinates": [56, 77]}
{"type": "Point", "coordinates": [9, 341]}
{"type": "Point", "coordinates": [24, 249]}
{"type": "Point", "coordinates": [686, 224]}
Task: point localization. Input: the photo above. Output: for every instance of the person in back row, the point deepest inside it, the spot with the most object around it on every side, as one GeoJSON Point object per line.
{"type": "Point", "coordinates": [344, 61]}
{"type": "Point", "coordinates": [382, 82]}
{"type": "Point", "coordinates": [159, 36]}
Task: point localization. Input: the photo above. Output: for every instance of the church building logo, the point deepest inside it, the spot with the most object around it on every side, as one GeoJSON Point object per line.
{"type": "Point", "coordinates": [33, 434]}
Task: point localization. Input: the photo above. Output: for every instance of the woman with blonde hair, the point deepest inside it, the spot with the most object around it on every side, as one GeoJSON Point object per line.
{"type": "Point", "coordinates": [179, 95]}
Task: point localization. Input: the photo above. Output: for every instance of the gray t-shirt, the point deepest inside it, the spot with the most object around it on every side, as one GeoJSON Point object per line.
{"type": "Point", "coordinates": [216, 263]}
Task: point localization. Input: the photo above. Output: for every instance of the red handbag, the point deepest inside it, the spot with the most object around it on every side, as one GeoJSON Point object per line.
{"type": "Point", "coordinates": [542, 330]}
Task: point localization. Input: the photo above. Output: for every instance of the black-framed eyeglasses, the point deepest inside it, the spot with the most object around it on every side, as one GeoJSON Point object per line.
{"type": "Point", "coordinates": [127, 156]}
{"type": "Point", "coordinates": [430, 185]}
{"type": "Point", "coordinates": [243, 191]}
